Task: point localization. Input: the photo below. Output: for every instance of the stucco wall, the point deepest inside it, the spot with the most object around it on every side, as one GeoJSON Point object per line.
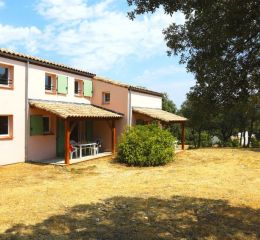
{"type": "Point", "coordinates": [37, 85]}
{"type": "Point", "coordinates": [102, 132]}
{"type": "Point", "coordinates": [118, 103]}
{"type": "Point", "coordinates": [145, 100]}
{"type": "Point", "coordinates": [12, 102]}
{"type": "Point", "coordinates": [42, 147]}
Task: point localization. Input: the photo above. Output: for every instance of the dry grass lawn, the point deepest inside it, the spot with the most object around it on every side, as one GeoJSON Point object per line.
{"type": "Point", "coordinates": [204, 194]}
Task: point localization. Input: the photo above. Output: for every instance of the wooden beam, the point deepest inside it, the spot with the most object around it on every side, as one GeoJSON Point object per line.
{"type": "Point", "coordinates": [67, 141]}
{"type": "Point", "coordinates": [182, 135]}
{"type": "Point", "coordinates": [113, 137]}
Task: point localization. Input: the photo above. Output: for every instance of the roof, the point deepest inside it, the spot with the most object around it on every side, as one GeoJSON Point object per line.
{"type": "Point", "coordinates": [128, 86]}
{"type": "Point", "coordinates": [43, 62]}
{"type": "Point", "coordinates": [160, 114]}
{"type": "Point", "coordinates": [59, 66]}
{"type": "Point", "coordinates": [65, 110]}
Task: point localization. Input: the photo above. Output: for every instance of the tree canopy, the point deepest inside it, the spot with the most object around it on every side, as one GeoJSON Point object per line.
{"type": "Point", "coordinates": [167, 104]}
{"type": "Point", "coordinates": [220, 44]}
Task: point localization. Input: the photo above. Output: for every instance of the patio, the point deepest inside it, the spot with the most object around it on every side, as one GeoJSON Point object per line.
{"type": "Point", "coordinates": [60, 161]}
{"type": "Point", "coordinates": [77, 132]}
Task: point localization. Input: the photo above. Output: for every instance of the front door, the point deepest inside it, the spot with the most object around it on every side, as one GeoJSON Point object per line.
{"type": "Point", "coordinates": [60, 142]}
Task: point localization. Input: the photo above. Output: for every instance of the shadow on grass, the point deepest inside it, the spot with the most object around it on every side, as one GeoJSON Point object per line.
{"type": "Point", "coordinates": [152, 218]}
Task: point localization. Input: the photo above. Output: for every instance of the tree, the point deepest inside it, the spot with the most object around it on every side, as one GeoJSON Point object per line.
{"type": "Point", "coordinates": [167, 104]}
{"type": "Point", "coordinates": [220, 43]}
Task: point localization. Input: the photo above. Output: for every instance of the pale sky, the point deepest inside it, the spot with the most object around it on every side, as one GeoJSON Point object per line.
{"type": "Point", "coordinates": [97, 36]}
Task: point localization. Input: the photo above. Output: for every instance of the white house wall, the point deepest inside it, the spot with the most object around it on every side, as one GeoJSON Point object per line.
{"type": "Point", "coordinates": [12, 102]}
{"type": "Point", "coordinates": [145, 100]}
{"type": "Point", "coordinates": [37, 85]}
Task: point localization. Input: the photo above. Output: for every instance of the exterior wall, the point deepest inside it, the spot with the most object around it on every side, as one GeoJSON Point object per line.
{"type": "Point", "coordinates": [145, 100]}
{"type": "Point", "coordinates": [118, 103]}
{"type": "Point", "coordinates": [37, 86]}
{"type": "Point", "coordinates": [12, 102]}
{"type": "Point", "coordinates": [42, 147]}
{"type": "Point", "coordinates": [102, 131]}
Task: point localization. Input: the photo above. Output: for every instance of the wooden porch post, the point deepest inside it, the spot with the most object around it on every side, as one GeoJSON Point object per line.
{"type": "Point", "coordinates": [67, 141]}
{"type": "Point", "coordinates": [182, 135]}
{"type": "Point", "coordinates": [113, 137]}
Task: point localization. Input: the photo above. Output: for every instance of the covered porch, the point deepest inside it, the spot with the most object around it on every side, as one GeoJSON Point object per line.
{"type": "Point", "coordinates": [80, 131]}
{"type": "Point", "coordinates": [148, 115]}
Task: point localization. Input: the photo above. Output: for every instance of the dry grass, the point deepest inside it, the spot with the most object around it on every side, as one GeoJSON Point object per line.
{"type": "Point", "coordinates": [204, 194]}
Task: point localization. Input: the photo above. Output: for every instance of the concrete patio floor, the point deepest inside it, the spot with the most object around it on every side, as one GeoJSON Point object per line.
{"type": "Point", "coordinates": [61, 162]}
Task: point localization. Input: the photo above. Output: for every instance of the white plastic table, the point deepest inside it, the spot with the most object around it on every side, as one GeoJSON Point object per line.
{"type": "Point", "coordinates": [84, 145]}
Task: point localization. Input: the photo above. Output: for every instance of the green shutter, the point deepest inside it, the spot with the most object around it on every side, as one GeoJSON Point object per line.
{"type": "Point", "coordinates": [62, 84]}
{"type": "Point", "coordinates": [36, 125]}
{"type": "Point", "coordinates": [88, 88]}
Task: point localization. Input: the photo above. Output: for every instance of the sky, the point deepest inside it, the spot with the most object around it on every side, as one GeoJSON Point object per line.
{"type": "Point", "coordinates": [97, 36]}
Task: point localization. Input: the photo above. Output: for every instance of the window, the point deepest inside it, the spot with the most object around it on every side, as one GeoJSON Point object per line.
{"type": "Point", "coordinates": [106, 97]}
{"type": "Point", "coordinates": [50, 83]}
{"type": "Point", "coordinates": [6, 76]}
{"type": "Point", "coordinates": [46, 124]}
{"type": "Point", "coordinates": [78, 87]}
{"type": "Point", "coordinates": [6, 126]}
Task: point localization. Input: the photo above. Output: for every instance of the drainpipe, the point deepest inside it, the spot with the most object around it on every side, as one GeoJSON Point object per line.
{"type": "Point", "coordinates": [129, 107]}
{"type": "Point", "coordinates": [26, 110]}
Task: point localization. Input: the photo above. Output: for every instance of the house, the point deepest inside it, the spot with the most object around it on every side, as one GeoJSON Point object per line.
{"type": "Point", "coordinates": [45, 105]}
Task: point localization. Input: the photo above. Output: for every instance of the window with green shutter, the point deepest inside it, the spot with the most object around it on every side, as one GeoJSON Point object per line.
{"type": "Point", "coordinates": [36, 125]}
{"type": "Point", "coordinates": [62, 84]}
{"type": "Point", "coordinates": [88, 88]}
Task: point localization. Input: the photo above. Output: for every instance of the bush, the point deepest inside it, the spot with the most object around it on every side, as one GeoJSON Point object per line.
{"type": "Point", "coordinates": [255, 143]}
{"type": "Point", "coordinates": [232, 143]}
{"type": "Point", "coordinates": [205, 140]}
{"type": "Point", "coordinates": [146, 145]}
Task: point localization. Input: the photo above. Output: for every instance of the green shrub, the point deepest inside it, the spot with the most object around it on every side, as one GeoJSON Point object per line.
{"type": "Point", "coordinates": [232, 143]}
{"type": "Point", "coordinates": [146, 145]}
{"type": "Point", "coordinates": [235, 142]}
{"type": "Point", "coordinates": [255, 143]}
{"type": "Point", "coordinates": [205, 139]}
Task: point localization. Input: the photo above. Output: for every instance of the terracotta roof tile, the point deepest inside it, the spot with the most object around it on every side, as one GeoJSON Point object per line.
{"type": "Point", "coordinates": [128, 86]}
{"type": "Point", "coordinates": [160, 114]}
{"type": "Point", "coordinates": [40, 61]}
{"type": "Point", "coordinates": [65, 110]}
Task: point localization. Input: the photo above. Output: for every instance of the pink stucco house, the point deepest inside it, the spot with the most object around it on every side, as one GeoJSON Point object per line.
{"type": "Point", "coordinates": [52, 112]}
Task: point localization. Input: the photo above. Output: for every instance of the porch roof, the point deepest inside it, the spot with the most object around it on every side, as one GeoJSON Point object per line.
{"type": "Point", "coordinates": [159, 114]}
{"type": "Point", "coordinates": [65, 110]}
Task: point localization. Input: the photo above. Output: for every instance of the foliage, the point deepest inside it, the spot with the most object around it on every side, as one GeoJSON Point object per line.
{"type": "Point", "coordinates": [168, 105]}
{"type": "Point", "coordinates": [231, 143]}
{"type": "Point", "coordinates": [220, 43]}
{"type": "Point", "coordinates": [205, 139]}
{"type": "Point", "coordinates": [255, 143]}
{"type": "Point", "coordinates": [146, 145]}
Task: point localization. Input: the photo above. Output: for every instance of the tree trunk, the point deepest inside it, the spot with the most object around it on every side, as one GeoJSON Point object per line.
{"type": "Point", "coordinates": [199, 140]}
{"type": "Point", "coordinates": [194, 138]}
{"type": "Point", "coordinates": [240, 140]}
{"type": "Point", "coordinates": [250, 132]}
{"type": "Point", "coordinates": [244, 137]}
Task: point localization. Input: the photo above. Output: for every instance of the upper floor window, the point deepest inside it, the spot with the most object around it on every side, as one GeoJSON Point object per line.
{"type": "Point", "coordinates": [50, 83]}
{"type": "Point", "coordinates": [6, 122]}
{"type": "Point", "coordinates": [6, 76]}
{"type": "Point", "coordinates": [78, 87]}
{"type": "Point", "coordinates": [106, 97]}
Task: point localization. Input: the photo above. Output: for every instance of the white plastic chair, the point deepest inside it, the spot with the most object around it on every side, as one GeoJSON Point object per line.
{"type": "Point", "coordinates": [74, 152]}
{"type": "Point", "coordinates": [95, 149]}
